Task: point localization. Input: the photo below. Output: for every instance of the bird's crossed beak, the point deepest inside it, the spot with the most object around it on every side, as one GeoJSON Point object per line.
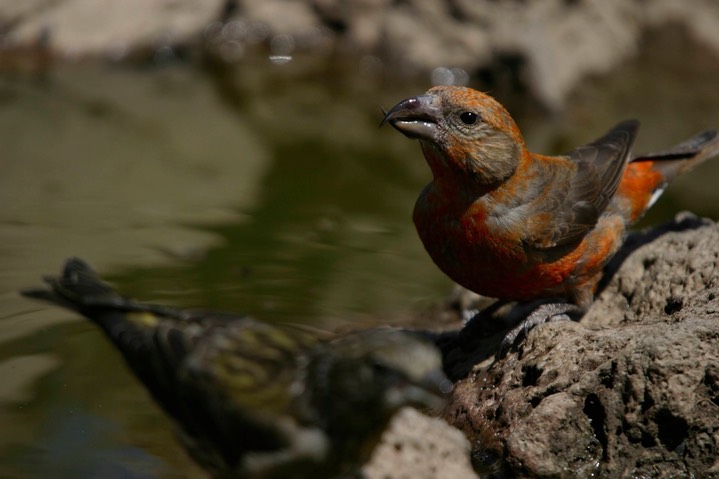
{"type": "Point", "coordinates": [416, 117]}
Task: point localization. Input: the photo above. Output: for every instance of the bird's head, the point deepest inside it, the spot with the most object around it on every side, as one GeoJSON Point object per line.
{"type": "Point", "coordinates": [463, 132]}
{"type": "Point", "coordinates": [371, 374]}
{"type": "Point", "coordinates": [400, 367]}
{"type": "Point", "coordinates": [355, 383]}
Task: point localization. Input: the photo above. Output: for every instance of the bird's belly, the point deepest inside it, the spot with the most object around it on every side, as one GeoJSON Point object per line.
{"type": "Point", "coordinates": [491, 263]}
{"type": "Point", "coordinates": [500, 266]}
{"type": "Point", "coordinates": [502, 272]}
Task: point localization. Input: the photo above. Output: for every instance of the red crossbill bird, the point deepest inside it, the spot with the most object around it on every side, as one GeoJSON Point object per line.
{"type": "Point", "coordinates": [255, 400]}
{"type": "Point", "coordinates": [519, 226]}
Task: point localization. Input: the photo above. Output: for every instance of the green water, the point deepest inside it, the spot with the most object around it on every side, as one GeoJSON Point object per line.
{"type": "Point", "coordinates": [268, 191]}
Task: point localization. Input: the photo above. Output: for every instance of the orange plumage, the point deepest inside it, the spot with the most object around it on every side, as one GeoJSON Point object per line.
{"type": "Point", "coordinates": [515, 225]}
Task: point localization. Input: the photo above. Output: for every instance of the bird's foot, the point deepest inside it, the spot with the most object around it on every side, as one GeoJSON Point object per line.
{"type": "Point", "coordinates": [543, 314]}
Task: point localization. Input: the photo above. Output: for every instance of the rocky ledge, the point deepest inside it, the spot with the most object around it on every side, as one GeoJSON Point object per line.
{"type": "Point", "coordinates": [630, 391]}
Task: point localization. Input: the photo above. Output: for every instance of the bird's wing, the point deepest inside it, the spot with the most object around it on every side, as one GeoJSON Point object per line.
{"type": "Point", "coordinates": [224, 379]}
{"type": "Point", "coordinates": [576, 202]}
{"type": "Point", "coordinates": [239, 385]}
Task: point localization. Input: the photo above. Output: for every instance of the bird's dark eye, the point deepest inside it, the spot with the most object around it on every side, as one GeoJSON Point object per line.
{"type": "Point", "coordinates": [469, 118]}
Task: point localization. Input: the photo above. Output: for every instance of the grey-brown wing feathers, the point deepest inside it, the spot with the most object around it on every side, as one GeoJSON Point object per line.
{"type": "Point", "coordinates": [578, 198]}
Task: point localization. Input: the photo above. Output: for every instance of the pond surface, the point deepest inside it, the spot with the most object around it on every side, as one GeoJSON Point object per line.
{"type": "Point", "coordinates": [268, 190]}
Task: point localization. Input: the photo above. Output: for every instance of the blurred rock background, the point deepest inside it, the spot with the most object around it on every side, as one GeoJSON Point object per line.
{"type": "Point", "coordinates": [545, 46]}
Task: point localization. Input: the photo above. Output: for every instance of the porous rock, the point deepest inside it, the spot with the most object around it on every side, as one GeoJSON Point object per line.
{"type": "Point", "coordinates": [630, 391]}
{"type": "Point", "coordinates": [416, 446]}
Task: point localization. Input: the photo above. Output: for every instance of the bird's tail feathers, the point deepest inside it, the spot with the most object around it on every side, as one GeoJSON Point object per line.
{"type": "Point", "coordinates": [80, 289]}
{"type": "Point", "coordinates": [77, 288]}
{"type": "Point", "coordinates": [684, 156]}
{"type": "Point", "coordinates": [151, 346]}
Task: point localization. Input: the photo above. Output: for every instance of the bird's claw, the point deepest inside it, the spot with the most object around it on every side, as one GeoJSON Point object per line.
{"type": "Point", "coordinates": [545, 313]}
